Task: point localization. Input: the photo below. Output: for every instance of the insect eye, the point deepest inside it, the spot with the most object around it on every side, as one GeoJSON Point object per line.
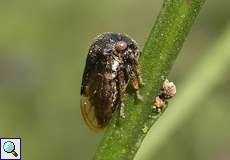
{"type": "Point", "coordinates": [120, 46]}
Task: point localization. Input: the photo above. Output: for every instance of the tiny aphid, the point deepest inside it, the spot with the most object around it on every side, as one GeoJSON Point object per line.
{"type": "Point", "coordinates": [111, 64]}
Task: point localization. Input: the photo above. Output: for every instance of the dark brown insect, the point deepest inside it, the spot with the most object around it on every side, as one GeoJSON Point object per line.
{"type": "Point", "coordinates": [111, 63]}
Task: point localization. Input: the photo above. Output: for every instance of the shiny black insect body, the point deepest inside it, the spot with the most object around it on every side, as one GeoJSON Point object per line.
{"type": "Point", "coordinates": [111, 63]}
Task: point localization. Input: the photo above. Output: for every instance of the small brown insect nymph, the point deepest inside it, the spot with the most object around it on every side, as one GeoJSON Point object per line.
{"type": "Point", "coordinates": [111, 63]}
{"type": "Point", "coordinates": [168, 91]}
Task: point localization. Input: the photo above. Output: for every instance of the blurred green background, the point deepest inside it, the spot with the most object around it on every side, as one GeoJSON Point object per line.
{"type": "Point", "coordinates": [43, 47]}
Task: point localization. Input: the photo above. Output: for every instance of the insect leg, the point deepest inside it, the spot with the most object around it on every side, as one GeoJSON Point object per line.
{"type": "Point", "coordinates": [121, 92]}
{"type": "Point", "coordinates": [137, 71]}
{"type": "Point", "coordinates": [134, 77]}
{"type": "Point", "coordinates": [136, 86]}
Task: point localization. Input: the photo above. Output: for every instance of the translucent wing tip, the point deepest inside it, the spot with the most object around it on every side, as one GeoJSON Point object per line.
{"type": "Point", "coordinates": [88, 113]}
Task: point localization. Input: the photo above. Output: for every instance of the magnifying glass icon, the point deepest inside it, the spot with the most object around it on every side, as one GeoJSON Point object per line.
{"type": "Point", "coordinates": [9, 147]}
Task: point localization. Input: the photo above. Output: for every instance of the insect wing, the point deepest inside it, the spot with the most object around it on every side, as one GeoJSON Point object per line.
{"type": "Point", "coordinates": [88, 113]}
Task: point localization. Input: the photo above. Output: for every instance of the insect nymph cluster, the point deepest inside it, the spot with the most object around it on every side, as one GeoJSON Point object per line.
{"type": "Point", "coordinates": [111, 64]}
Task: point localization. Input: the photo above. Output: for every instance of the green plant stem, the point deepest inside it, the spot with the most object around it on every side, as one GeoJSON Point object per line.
{"type": "Point", "coordinates": [200, 82]}
{"type": "Point", "coordinates": [123, 137]}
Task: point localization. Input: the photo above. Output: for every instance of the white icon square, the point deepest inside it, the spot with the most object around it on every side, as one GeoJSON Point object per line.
{"type": "Point", "coordinates": [10, 149]}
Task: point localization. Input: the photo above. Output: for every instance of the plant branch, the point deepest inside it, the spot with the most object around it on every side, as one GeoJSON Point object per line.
{"type": "Point", "coordinates": [123, 137]}
{"type": "Point", "coordinates": [197, 87]}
